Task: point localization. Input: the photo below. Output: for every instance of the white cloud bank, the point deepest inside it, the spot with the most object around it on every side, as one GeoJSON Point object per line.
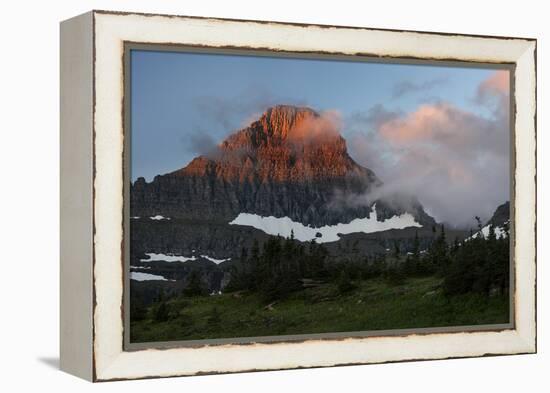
{"type": "Point", "coordinates": [455, 161]}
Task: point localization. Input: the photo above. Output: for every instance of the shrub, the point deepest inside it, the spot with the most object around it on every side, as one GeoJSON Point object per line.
{"type": "Point", "coordinates": [214, 316]}
{"type": "Point", "coordinates": [344, 283]}
{"type": "Point", "coordinates": [161, 312]}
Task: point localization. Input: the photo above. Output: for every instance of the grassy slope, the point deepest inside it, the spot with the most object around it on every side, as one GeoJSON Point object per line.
{"type": "Point", "coordinates": [373, 305]}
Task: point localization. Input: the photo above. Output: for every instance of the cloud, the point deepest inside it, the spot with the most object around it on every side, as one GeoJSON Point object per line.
{"type": "Point", "coordinates": [497, 84]}
{"type": "Point", "coordinates": [375, 116]}
{"type": "Point", "coordinates": [324, 127]}
{"type": "Point", "coordinates": [229, 112]}
{"type": "Point", "coordinates": [202, 143]}
{"type": "Point", "coordinates": [407, 87]}
{"type": "Point", "coordinates": [454, 161]}
{"type": "Point", "coordinates": [494, 92]}
{"type": "Point", "coordinates": [393, 194]}
{"type": "Point", "coordinates": [227, 115]}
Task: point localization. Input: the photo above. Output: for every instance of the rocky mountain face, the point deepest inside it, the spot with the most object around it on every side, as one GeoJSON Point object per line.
{"type": "Point", "coordinates": [291, 162]}
{"type": "Point", "coordinates": [500, 221]}
{"type": "Point", "coordinates": [501, 215]}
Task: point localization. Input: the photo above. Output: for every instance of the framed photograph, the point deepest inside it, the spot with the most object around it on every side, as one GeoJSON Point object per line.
{"type": "Point", "coordinates": [248, 195]}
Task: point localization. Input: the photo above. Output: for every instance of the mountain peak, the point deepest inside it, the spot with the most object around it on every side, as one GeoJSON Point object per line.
{"type": "Point", "coordinates": [287, 124]}
{"type": "Point", "coordinates": [286, 143]}
{"type": "Point", "coordinates": [501, 215]}
{"type": "Point", "coordinates": [290, 162]}
{"type": "Point", "coordinates": [288, 110]}
{"type": "Point", "coordinates": [281, 119]}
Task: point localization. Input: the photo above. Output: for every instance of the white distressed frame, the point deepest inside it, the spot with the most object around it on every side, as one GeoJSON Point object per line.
{"type": "Point", "coordinates": [111, 30]}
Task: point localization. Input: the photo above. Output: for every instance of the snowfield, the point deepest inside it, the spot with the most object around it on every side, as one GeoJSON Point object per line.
{"type": "Point", "coordinates": [499, 232]}
{"type": "Point", "coordinates": [139, 276]}
{"type": "Point", "coordinates": [216, 261]}
{"type": "Point", "coordinates": [329, 233]}
{"type": "Point", "coordinates": [167, 258]}
{"type": "Point", "coordinates": [151, 257]}
{"type": "Point", "coordinates": [159, 218]}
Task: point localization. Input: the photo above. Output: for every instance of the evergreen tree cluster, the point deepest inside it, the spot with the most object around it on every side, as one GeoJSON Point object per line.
{"type": "Point", "coordinates": [276, 269]}
{"type": "Point", "coordinates": [479, 264]}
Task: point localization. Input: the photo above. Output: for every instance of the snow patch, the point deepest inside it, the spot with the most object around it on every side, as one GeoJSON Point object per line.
{"type": "Point", "coordinates": [329, 233]}
{"type": "Point", "coordinates": [166, 258]}
{"type": "Point", "coordinates": [151, 257]}
{"type": "Point", "coordinates": [159, 218]}
{"type": "Point", "coordinates": [499, 232]}
{"type": "Point", "coordinates": [139, 276]}
{"type": "Point", "coordinates": [216, 261]}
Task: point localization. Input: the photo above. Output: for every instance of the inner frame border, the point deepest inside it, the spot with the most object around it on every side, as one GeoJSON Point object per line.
{"type": "Point", "coordinates": [129, 46]}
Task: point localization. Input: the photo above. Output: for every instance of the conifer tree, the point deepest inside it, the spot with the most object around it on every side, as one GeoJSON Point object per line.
{"type": "Point", "coordinates": [194, 285]}
{"type": "Point", "coordinates": [344, 284]}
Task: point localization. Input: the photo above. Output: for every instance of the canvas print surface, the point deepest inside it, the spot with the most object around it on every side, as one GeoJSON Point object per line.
{"type": "Point", "coordinates": [283, 196]}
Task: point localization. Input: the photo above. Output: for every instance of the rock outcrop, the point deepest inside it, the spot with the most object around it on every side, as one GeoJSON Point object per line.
{"type": "Point", "coordinates": [501, 216]}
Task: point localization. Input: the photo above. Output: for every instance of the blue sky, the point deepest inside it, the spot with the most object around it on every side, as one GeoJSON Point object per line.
{"type": "Point", "coordinates": [176, 94]}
